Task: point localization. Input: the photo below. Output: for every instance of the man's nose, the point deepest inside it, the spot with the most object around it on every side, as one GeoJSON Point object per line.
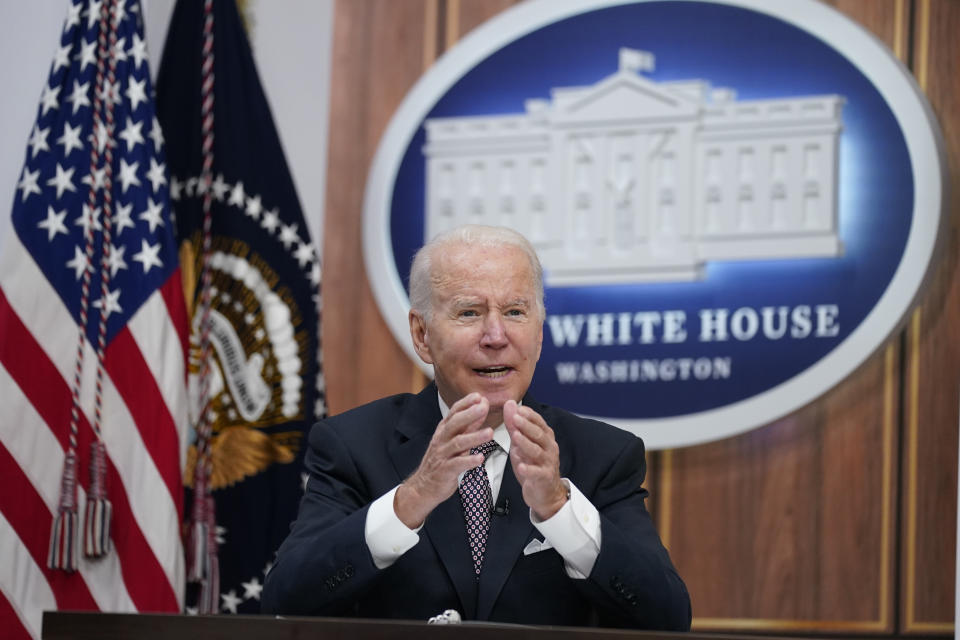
{"type": "Point", "coordinates": [494, 332]}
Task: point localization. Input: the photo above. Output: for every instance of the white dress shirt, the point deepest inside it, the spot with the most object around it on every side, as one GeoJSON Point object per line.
{"type": "Point", "coordinates": [574, 530]}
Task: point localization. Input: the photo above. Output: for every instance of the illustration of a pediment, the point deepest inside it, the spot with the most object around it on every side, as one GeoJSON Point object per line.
{"type": "Point", "coordinates": [622, 96]}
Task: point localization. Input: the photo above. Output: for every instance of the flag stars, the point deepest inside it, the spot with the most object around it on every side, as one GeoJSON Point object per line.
{"type": "Point", "coordinates": [93, 14]}
{"type": "Point", "coordinates": [110, 93]}
{"type": "Point", "coordinates": [79, 96]}
{"type": "Point", "coordinates": [115, 259]}
{"type": "Point", "coordinates": [119, 13]}
{"type": "Point", "coordinates": [137, 92]}
{"type": "Point", "coordinates": [288, 235]}
{"type": "Point", "coordinates": [38, 140]}
{"type": "Point", "coordinates": [304, 253]}
{"type": "Point", "coordinates": [123, 219]}
{"type": "Point", "coordinates": [73, 16]}
{"type": "Point", "coordinates": [103, 136]}
{"type": "Point", "coordinates": [153, 215]}
{"type": "Point", "coordinates": [109, 304]}
{"type": "Point", "coordinates": [79, 263]}
{"type": "Point", "coordinates": [88, 54]}
{"type": "Point", "coordinates": [54, 223]}
{"type": "Point", "coordinates": [89, 218]}
{"type": "Point", "coordinates": [220, 188]}
{"type": "Point", "coordinates": [157, 174]}
{"type": "Point", "coordinates": [119, 53]}
{"type": "Point", "coordinates": [28, 183]}
{"type": "Point", "coordinates": [270, 220]}
{"type": "Point", "coordinates": [237, 196]}
{"type": "Point", "coordinates": [315, 274]}
{"type": "Point", "coordinates": [49, 99]}
{"type": "Point", "coordinates": [63, 180]}
{"type": "Point", "coordinates": [61, 58]}
{"type": "Point", "coordinates": [252, 589]}
{"type": "Point", "coordinates": [128, 175]}
{"type": "Point", "coordinates": [148, 256]}
{"type": "Point", "coordinates": [138, 49]}
{"type": "Point", "coordinates": [70, 138]}
{"type": "Point", "coordinates": [96, 178]}
{"type": "Point", "coordinates": [230, 601]}
{"type": "Point", "coordinates": [254, 207]}
{"type": "Point", "coordinates": [156, 133]}
{"type": "Point", "coordinates": [131, 134]}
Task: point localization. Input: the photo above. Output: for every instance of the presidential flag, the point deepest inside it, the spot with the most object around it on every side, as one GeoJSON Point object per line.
{"type": "Point", "coordinates": [93, 339]}
{"type": "Point", "coordinates": [252, 276]}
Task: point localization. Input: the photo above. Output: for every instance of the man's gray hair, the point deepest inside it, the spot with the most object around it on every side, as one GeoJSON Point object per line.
{"type": "Point", "coordinates": [422, 278]}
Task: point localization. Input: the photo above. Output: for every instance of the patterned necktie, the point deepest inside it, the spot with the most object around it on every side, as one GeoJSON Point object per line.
{"type": "Point", "coordinates": [477, 504]}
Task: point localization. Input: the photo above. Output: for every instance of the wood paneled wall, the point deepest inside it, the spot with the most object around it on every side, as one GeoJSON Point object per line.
{"type": "Point", "coordinates": [840, 517]}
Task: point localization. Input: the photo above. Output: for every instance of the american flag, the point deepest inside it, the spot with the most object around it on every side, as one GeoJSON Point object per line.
{"type": "Point", "coordinates": [132, 249]}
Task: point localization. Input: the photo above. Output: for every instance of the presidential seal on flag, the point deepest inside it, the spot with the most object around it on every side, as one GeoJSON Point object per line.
{"type": "Point", "coordinates": [251, 276]}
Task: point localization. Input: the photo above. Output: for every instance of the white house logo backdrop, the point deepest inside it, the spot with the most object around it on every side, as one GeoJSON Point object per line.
{"type": "Point", "coordinates": [735, 202]}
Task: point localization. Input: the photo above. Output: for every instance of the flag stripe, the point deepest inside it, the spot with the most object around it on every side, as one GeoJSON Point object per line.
{"type": "Point", "coordinates": [29, 440]}
{"type": "Point", "coordinates": [132, 379]}
{"type": "Point", "coordinates": [154, 327]}
{"type": "Point", "coordinates": [10, 622]}
{"type": "Point", "coordinates": [22, 582]}
{"type": "Point", "coordinates": [30, 518]}
{"type": "Point", "coordinates": [46, 389]}
{"type": "Point", "coordinates": [172, 292]}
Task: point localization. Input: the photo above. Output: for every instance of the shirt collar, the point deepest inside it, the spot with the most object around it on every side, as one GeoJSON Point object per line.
{"type": "Point", "coordinates": [500, 434]}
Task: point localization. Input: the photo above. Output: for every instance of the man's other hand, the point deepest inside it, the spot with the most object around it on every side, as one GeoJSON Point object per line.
{"type": "Point", "coordinates": [535, 457]}
{"type": "Point", "coordinates": [447, 456]}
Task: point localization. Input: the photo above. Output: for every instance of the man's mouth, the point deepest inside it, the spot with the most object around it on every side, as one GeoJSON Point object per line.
{"type": "Point", "coordinates": [493, 372]}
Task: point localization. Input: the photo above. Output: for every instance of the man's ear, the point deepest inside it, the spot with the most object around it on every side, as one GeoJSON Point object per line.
{"type": "Point", "coordinates": [418, 333]}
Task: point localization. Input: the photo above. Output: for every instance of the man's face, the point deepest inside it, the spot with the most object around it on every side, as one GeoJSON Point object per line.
{"type": "Point", "coordinates": [486, 328]}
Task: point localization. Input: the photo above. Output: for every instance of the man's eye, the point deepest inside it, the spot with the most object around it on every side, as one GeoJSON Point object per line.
{"type": "Point", "coordinates": [468, 313]}
{"type": "Point", "coordinates": [516, 312]}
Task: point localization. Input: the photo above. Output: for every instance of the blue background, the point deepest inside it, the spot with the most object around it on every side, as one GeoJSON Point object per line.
{"type": "Point", "coordinates": [759, 57]}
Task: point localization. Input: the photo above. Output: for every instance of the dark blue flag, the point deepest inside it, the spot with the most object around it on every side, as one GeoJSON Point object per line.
{"type": "Point", "coordinates": [265, 382]}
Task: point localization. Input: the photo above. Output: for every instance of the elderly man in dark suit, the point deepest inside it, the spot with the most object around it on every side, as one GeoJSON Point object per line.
{"type": "Point", "coordinates": [471, 495]}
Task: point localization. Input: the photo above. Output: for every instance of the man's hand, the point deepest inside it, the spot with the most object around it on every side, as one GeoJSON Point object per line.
{"type": "Point", "coordinates": [447, 456]}
{"type": "Point", "coordinates": [535, 457]}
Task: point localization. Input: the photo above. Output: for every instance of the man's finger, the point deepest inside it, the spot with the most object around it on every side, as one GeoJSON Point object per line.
{"type": "Point", "coordinates": [466, 417]}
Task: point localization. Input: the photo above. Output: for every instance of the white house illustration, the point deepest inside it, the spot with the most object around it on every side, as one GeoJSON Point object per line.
{"type": "Point", "coordinates": [629, 180]}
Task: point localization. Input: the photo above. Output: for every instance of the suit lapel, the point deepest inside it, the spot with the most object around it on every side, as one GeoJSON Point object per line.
{"type": "Point", "coordinates": [444, 528]}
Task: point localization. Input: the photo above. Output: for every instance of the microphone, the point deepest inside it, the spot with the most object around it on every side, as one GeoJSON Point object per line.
{"type": "Point", "coordinates": [502, 510]}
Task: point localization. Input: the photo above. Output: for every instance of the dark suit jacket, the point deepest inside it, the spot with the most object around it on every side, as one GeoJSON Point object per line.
{"type": "Point", "coordinates": [324, 567]}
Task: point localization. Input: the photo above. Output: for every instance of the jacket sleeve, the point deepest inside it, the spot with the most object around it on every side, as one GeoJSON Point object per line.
{"type": "Point", "coordinates": [633, 582]}
{"type": "Point", "coordinates": [324, 565]}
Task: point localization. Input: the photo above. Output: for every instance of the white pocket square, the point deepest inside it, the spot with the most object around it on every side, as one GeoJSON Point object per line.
{"type": "Point", "coordinates": [535, 546]}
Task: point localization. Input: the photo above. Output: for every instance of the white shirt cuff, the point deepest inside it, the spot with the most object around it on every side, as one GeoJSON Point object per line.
{"type": "Point", "coordinates": [386, 535]}
{"type": "Point", "coordinates": [574, 531]}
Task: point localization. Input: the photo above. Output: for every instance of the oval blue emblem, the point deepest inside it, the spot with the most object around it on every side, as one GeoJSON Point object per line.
{"type": "Point", "coordinates": [735, 202]}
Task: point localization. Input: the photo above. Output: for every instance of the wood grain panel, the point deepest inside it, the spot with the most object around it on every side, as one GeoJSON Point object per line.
{"type": "Point", "coordinates": [930, 489]}
{"type": "Point", "coordinates": [377, 56]}
{"type": "Point", "coordinates": [788, 527]}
